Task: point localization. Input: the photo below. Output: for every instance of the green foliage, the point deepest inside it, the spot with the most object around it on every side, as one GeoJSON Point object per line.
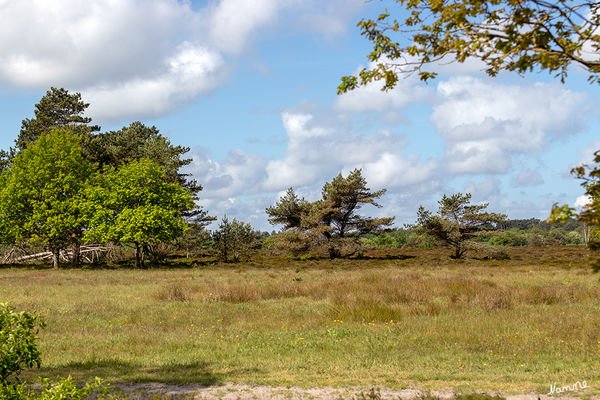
{"type": "Point", "coordinates": [136, 204]}
{"type": "Point", "coordinates": [288, 211]}
{"type": "Point", "coordinates": [561, 213]}
{"type": "Point", "coordinates": [234, 239]}
{"type": "Point", "coordinates": [515, 36]}
{"type": "Point", "coordinates": [13, 391]}
{"type": "Point", "coordinates": [420, 241]}
{"type": "Point", "coordinates": [556, 237]}
{"type": "Point", "coordinates": [536, 239]}
{"type": "Point", "coordinates": [18, 348]}
{"type": "Point", "coordinates": [590, 213]}
{"type": "Point", "coordinates": [569, 224]}
{"type": "Point", "coordinates": [394, 239]}
{"type": "Point", "coordinates": [67, 389]}
{"type": "Point", "coordinates": [64, 389]}
{"type": "Point", "coordinates": [333, 221]}
{"type": "Point", "coordinates": [136, 142]}
{"type": "Point", "coordinates": [509, 238]}
{"type": "Point", "coordinates": [41, 193]}
{"type": "Point", "coordinates": [57, 108]}
{"type": "Point", "coordinates": [458, 222]}
{"type": "Point", "coordinates": [195, 241]}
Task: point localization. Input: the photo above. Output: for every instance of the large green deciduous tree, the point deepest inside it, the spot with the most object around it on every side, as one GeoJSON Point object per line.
{"type": "Point", "coordinates": [333, 222]}
{"type": "Point", "coordinates": [41, 192]}
{"type": "Point", "coordinates": [507, 35]}
{"type": "Point", "coordinates": [138, 141]}
{"type": "Point", "coordinates": [458, 222]}
{"type": "Point", "coordinates": [136, 204]}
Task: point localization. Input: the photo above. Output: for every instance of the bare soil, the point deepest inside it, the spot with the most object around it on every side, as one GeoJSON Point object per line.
{"type": "Point", "coordinates": [143, 391]}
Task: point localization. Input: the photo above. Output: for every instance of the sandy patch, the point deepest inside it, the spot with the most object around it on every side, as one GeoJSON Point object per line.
{"type": "Point", "coordinates": [230, 391]}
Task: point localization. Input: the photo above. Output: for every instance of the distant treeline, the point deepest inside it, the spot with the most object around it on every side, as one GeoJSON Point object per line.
{"type": "Point", "coordinates": [512, 232]}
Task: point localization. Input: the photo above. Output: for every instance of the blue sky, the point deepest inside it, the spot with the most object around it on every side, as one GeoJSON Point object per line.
{"type": "Point", "coordinates": [250, 87]}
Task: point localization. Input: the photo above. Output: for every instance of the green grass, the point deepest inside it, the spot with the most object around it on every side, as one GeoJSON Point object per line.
{"type": "Point", "coordinates": [422, 320]}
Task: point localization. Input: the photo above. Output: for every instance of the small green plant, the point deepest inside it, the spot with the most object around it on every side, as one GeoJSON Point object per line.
{"type": "Point", "coordinates": [64, 389]}
{"type": "Point", "coordinates": [18, 349]}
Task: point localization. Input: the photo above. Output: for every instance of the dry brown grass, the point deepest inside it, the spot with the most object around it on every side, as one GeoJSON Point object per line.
{"type": "Point", "coordinates": [390, 294]}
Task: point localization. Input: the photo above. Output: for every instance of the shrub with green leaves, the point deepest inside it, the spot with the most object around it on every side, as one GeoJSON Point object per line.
{"type": "Point", "coordinates": [394, 239]}
{"type": "Point", "coordinates": [18, 348]}
{"type": "Point", "coordinates": [64, 389]}
{"type": "Point", "coordinates": [234, 239]}
{"type": "Point", "coordinates": [509, 238]}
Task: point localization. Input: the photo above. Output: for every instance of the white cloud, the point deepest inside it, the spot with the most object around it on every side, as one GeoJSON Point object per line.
{"type": "Point", "coordinates": [135, 58]}
{"type": "Point", "coordinates": [485, 123]}
{"type": "Point", "coordinates": [390, 170]}
{"type": "Point", "coordinates": [191, 71]}
{"type": "Point", "coordinates": [232, 21]}
{"type": "Point", "coordinates": [372, 98]}
{"type": "Point", "coordinates": [73, 43]}
{"type": "Point", "coordinates": [320, 148]}
{"type": "Point", "coordinates": [239, 174]}
{"type": "Point", "coordinates": [582, 201]}
{"type": "Point", "coordinates": [587, 154]}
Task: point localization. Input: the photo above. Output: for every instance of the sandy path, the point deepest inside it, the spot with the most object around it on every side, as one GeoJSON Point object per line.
{"type": "Point", "coordinates": [248, 392]}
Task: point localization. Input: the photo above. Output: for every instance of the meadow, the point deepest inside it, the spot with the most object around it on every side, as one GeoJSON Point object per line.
{"type": "Point", "coordinates": [398, 318]}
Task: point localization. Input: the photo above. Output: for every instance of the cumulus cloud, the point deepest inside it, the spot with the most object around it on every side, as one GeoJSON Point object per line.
{"type": "Point", "coordinates": [238, 174]}
{"type": "Point", "coordinates": [318, 148]}
{"type": "Point", "coordinates": [232, 21]}
{"type": "Point", "coordinates": [485, 123]}
{"type": "Point", "coordinates": [134, 58]}
{"type": "Point", "coordinates": [73, 43]}
{"type": "Point", "coordinates": [582, 201]}
{"type": "Point", "coordinates": [191, 71]}
{"type": "Point", "coordinates": [372, 98]}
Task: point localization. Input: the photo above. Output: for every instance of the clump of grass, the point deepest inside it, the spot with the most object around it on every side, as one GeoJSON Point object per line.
{"type": "Point", "coordinates": [174, 292]}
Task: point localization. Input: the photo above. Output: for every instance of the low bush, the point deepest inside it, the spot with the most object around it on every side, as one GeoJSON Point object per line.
{"type": "Point", "coordinates": [509, 238]}
{"type": "Point", "coordinates": [234, 240]}
{"type": "Point", "coordinates": [64, 389]}
{"type": "Point", "coordinates": [18, 349]}
{"type": "Point", "coordinates": [420, 241]}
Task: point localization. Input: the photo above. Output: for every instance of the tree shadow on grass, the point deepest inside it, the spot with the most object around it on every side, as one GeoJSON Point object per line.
{"type": "Point", "coordinates": [119, 371]}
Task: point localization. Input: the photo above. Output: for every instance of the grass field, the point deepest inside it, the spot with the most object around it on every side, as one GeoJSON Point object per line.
{"type": "Point", "coordinates": [416, 319]}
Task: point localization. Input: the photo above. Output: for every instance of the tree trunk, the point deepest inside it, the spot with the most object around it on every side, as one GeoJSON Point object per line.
{"type": "Point", "coordinates": [76, 250]}
{"type": "Point", "coordinates": [333, 253]}
{"type": "Point", "coordinates": [138, 263]}
{"type": "Point", "coordinates": [56, 258]}
{"type": "Point", "coordinates": [143, 255]}
{"type": "Point", "coordinates": [458, 252]}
